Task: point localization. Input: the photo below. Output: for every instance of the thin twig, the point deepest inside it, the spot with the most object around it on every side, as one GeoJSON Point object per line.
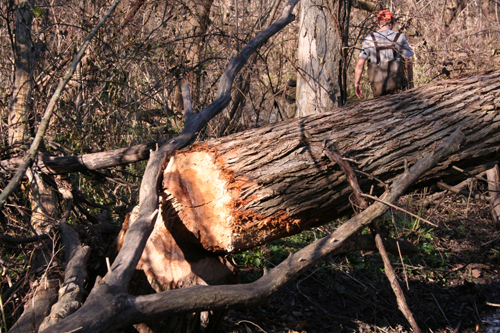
{"type": "Point", "coordinates": [399, 208]}
{"type": "Point", "coordinates": [440, 309]}
{"type": "Point", "coordinates": [249, 322]}
{"type": "Point", "coordinates": [404, 268]}
{"type": "Point", "coordinates": [391, 275]}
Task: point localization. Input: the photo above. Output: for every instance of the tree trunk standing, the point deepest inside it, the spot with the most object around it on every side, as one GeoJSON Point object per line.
{"type": "Point", "coordinates": [44, 211]}
{"type": "Point", "coordinates": [344, 15]}
{"type": "Point", "coordinates": [23, 76]}
{"type": "Point", "coordinates": [318, 58]}
{"type": "Point", "coordinates": [247, 189]}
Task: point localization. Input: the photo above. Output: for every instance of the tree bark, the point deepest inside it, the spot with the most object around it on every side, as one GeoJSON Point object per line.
{"type": "Point", "coordinates": [318, 58]}
{"type": "Point", "coordinates": [236, 192]}
{"type": "Point", "coordinates": [23, 80]}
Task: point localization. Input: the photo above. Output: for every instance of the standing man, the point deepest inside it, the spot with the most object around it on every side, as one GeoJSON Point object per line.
{"type": "Point", "coordinates": [389, 67]}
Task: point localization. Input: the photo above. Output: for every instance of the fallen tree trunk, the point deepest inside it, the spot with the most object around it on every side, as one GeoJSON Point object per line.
{"type": "Point", "coordinates": [430, 97]}
{"type": "Point", "coordinates": [236, 192]}
{"type": "Point", "coordinates": [109, 307]}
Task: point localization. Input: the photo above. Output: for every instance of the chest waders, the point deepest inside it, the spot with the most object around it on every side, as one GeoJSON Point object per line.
{"type": "Point", "coordinates": [387, 77]}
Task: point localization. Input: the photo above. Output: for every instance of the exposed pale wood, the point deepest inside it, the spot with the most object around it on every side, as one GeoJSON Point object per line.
{"type": "Point", "coordinates": [123, 310]}
{"type": "Point", "coordinates": [252, 187]}
{"type": "Point", "coordinates": [171, 262]}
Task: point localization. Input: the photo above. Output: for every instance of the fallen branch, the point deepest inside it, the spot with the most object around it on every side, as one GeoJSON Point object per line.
{"type": "Point", "coordinates": [457, 190]}
{"type": "Point", "coordinates": [391, 276]}
{"type": "Point", "coordinates": [137, 235]}
{"type": "Point", "coordinates": [432, 198]}
{"type": "Point", "coordinates": [72, 292]}
{"type": "Point", "coordinates": [11, 240]}
{"type": "Point", "coordinates": [37, 307]}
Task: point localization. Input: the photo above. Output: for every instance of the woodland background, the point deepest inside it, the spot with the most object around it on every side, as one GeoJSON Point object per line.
{"type": "Point", "coordinates": [126, 91]}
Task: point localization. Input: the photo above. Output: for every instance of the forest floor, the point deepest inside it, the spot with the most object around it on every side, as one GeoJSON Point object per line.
{"type": "Point", "coordinates": [451, 285]}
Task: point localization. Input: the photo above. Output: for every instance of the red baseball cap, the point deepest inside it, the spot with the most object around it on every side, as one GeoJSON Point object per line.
{"type": "Point", "coordinates": [385, 15]}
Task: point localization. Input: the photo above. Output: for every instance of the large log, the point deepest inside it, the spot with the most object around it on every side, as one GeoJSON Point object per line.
{"type": "Point", "coordinates": [108, 307]}
{"type": "Point", "coordinates": [236, 192]}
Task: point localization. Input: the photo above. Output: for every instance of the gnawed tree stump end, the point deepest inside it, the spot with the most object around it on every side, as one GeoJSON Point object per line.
{"type": "Point", "coordinates": [172, 262]}
{"type": "Point", "coordinates": [205, 196]}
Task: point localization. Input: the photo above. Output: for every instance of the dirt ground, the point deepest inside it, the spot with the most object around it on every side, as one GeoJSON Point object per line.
{"type": "Point", "coordinates": [451, 285]}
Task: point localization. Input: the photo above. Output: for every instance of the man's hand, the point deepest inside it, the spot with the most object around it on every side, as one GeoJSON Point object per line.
{"type": "Point", "coordinates": [358, 90]}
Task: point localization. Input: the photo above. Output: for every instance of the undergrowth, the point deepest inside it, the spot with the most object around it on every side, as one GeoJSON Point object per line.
{"type": "Point", "coordinates": [448, 283]}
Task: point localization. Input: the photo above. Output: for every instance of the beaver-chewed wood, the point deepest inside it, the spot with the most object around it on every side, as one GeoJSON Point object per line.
{"type": "Point", "coordinates": [236, 192]}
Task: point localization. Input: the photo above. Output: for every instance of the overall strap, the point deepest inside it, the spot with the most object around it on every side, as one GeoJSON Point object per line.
{"type": "Point", "coordinates": [394, 43]}
{"type": "Point", "coordinates": [392, 46]}
{"type": "Point", "coordinates": [376, 48]}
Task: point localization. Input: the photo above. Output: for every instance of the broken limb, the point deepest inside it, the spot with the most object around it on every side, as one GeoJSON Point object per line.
{"type": "Point", "coordinates": [335, 157]}
{"type": "Point", "coordinates": [457, 190]}
{"type": "Point", "coordinates": [116, 281]}
{"type": "Point", "coordinates": [38, 307]}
